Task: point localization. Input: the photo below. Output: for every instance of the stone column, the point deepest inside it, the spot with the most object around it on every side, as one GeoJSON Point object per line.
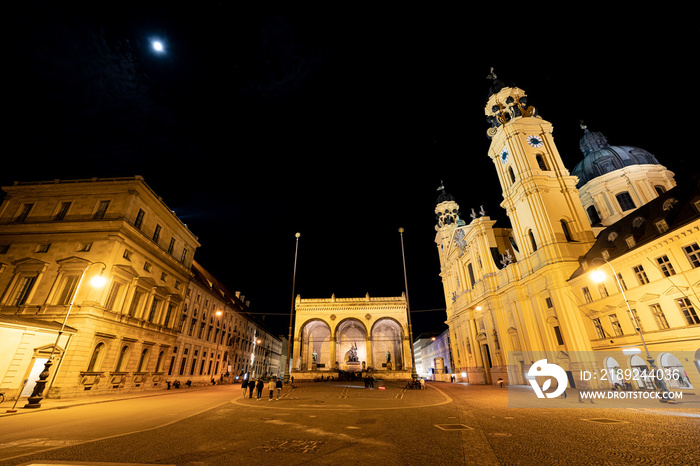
{"type": "Point", "coordinates": [368, 352]}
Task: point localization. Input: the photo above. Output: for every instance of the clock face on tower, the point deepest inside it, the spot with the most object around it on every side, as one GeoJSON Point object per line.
{"type": "Point", "coordinates": [534, 141]}
{"type": "Point", "coordinates": [504, 155]}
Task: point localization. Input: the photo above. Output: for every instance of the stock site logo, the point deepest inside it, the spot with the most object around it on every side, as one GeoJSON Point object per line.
{"type": "Point", "coordinates": [542, 369]}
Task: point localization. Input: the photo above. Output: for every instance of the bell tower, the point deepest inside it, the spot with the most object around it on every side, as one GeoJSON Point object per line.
{"type": "Point", "coordinates": [539, 195]}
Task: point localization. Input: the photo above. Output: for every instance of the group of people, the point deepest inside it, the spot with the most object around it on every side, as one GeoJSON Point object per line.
{"type": "Point", "coordinates": [257, 386]}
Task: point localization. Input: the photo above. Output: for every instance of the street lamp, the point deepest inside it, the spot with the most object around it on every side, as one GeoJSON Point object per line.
{"type": "Point", "coordinates": [414, 375]}
{"type": "Point", "coordinates": [598, 276]}
{"type": "Point", "coordinates": [291, 314]}
{"type": "Point", "coordinates": [34, 400]}
{"type": "Point", "coordinates": [219, 334]}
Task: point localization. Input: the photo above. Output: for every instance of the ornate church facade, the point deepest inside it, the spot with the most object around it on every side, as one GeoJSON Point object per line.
{"type": "Point", "coordinates": [335, 335]}
{"type": "Point", "coordinates": [515, 295]}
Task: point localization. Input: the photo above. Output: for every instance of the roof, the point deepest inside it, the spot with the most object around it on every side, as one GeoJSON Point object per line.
{"type": "Point", "coordinates": [676, 207]}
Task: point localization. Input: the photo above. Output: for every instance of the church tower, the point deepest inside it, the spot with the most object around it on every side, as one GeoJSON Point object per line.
{"type": "Point", "coordinates": [540, 197]}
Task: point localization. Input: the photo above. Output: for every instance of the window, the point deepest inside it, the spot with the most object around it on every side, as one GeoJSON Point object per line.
{"type": "Point", "coordinates": [512, 174]}
{"type": "Point", "coordinates": [665, 266]}
{"type": "Point", "coordinates": [171, 246]}
{"type": "Point", "coordinates": [154, 308]}
{"type": "Point", "coordinates": [659, 189]}
{"type": "Point", "coordinates": [159, 362]}
{"type": "Point", "coordinates": [143, 361]}
{"type": "Point", "coordinates": [625, 201]}
{"type": "Point", "coordinates": [4, 248]}
{"type": "Point", "coordinates": [147, 266]}
{"type": "Point", "coordinates": [95, 359]}
{"type": "Point", "coordinates": [557, 333]}
{"type": "Point", "coordinates": [565, 229]}
{"type": "Point", "coordinates": [112, 296]}
{"type": "Point", "coordinates": [533, 243]}
{"type": "Point", "coordinates": [139, 219]}
{"type": "Point", "coordinates": [603, 290]}
{"type": "Point", "coordinates": [168, 314]}
{"type": "Point", "coordinates": [127, 254]}
{"type": "Point", "coordinates": [101, 210]}
{"type": "Point", "coordinates": [69, 284]}
{"type": "Point", "coordinates": [593, 216]}
{"type": "Point", "coordinates": [156, 233]}
{"type": "Point", "coordinates": [123, 359]}
{"type": "Point", "coordinates": [541, 163]}
{"type": "Point", "coordinates": [26, 283]}
{"type": "Point", "coordinates": [631, 242]}
{"type": "Point", "coordinates": [135, 303]}
{"type": "Point", "coordinates": [62, 211]}
{"type": "Point", "coordinates": [662, 226]}
{"type": "Point", "coordinates": [622, 281]}
{"type": "Point", "coordinates": [42, 248]}
{"type": "Point", "coordinates": [470, 269]}
{"type": "Point", "coordinates": [691, 316]}
{"type": "Point", "coordinates": [617, 329]}
{"type": "Point", "coordinates": [659, 316]}
{"type": "Point", "coordinates": [692, 252]}
{"type": "Point", "coordinates": [84, 247]}
{"type": "Point", "coordinates": [641, 275]}
{"type": "Point", "coordinates": [184, 255]}
{"type": "Point", "coordinates": [599, 328]}
{"type": "Point", "coordinates": [637, 320]}
{"type": "Point", "coordinates": [587, 294]}
{"type": "Point", "coordinates": [23, 212]}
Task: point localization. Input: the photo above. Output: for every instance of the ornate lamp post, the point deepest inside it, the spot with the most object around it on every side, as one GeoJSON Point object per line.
{"type": "Point", "coordinates": [598, 276]}
{"type": "Point", "coordinates": [287, 368]}
{"type": "Point", "coordinates": [414, 375]}
{"type": "Point", "coordinates": [34, 400]}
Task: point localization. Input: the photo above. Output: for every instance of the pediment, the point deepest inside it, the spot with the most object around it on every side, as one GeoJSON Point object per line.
{"type": "Point", "coordinates": [676, 291]}
{"type": "Point", "coordinates": [127, 269]}
{"type": "Point", "coordinates": [73, 260]}
{"type": "Point", "coordinates": [29, 264]}
{"type": "Point", "coordinates": [649, 297]}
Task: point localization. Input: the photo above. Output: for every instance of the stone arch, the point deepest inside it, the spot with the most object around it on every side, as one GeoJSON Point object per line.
{"type": "Point", "coordinates": [387, 337]}
{"type": "Point", "coordinates": [639, 368]}
{"type": "Point", "coordinates": [676, 377]}
{"type": "Point", "coordinates": [350, 333]}
{"type": "Point", "coordinates": [614, 372]}
{"type": "Point", "coordinates": [315, 344]}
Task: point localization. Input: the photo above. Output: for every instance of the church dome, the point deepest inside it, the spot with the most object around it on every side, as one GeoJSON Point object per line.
{"type": "Point", "coordinates": [600, 158]}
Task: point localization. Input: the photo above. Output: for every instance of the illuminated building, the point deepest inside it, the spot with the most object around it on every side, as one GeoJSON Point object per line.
{"type": "Point", "coordinates": [514, 294]}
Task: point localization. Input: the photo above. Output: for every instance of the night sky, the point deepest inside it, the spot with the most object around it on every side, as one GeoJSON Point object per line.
{"type": "Point", "coordinates": [338, 122]}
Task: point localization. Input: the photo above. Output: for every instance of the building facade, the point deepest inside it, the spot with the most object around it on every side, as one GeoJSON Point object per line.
{"type": "Point", "coordinates": [515, 295]}
{"type": "Point", "coordinates": [351, 335]}
{"type": "Point", "coordinates": [154, 317]}
{"type": "Point", "coordinates": [55, 237]}
{"type": "Point", "coordinates": [433, 355]}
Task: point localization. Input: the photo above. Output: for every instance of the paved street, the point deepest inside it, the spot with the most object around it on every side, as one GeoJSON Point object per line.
{"type": "Point", "coordinates": [339, 423]}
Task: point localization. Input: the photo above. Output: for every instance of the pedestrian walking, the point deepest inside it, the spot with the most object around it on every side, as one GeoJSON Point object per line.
{"type": "Point", "coordinates": [259, 388]}
{"type": "Point", "coordinates": [244, 386]}
{"type": "Point", "coordinates": [271, 388]}
{"type": "Point", "coordinates": [251, 388]}
{"type": "Point", "coordinates": [499, 382]}
{"type": "Point", "coordinates": [422, 383]}
{"type": "Point", "coordinates": [278, 386]}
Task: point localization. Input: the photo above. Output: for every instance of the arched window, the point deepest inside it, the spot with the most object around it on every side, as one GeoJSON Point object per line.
{"type": "Point", "coordinates": [533, 243]}
{"type": "Point", "coordinates": [565, 228]}
{"type": "Point", "coordinates": [143, 360]}
{"type": "Point", "coordinates": [159, 362]}
{"type": "Point", "coordinates": [541, 163]}
{"type": "Point", "coordinates": [593, 216]}
{"type": "Point", "coordinates": [625, 201]}
{"type": "Point", "coordinates": [123, 359]}
{"type": "Point", "coordinates": [95, 359]}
